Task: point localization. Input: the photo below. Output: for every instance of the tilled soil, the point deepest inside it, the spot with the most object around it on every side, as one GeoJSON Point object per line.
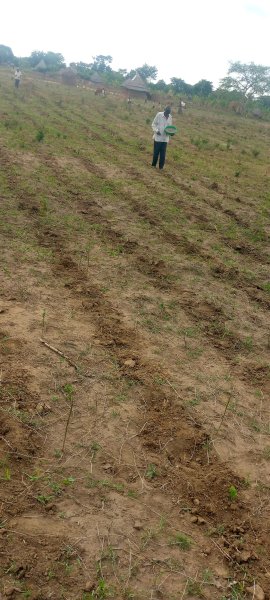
{"type": "Point", "coordinates": [134, 364]}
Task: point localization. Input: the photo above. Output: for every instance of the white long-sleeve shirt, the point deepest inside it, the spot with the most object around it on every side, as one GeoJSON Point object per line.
{"type": "Point", "coordinates": [159, 124]}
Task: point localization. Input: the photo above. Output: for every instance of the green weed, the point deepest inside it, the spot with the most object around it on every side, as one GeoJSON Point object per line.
{"type": "Point", "coordinates": [102, 591]}
{"type": "Point", "coordinates": [7, 474]}
{"type": "Point", "coordinates": [181, 541]}
{"type": "Point", "coordinates": [40, 135]}
{"type": "Point", "coordinates": [194, 587]}
{"type": "Point", "coordinates": [266, 453]}
{"type": "Point", "coordinates": [151, 471]}
{"type": "Point", "coordinates": [233, 493]}
{"type": "Point", "coordinates": [43, 499]}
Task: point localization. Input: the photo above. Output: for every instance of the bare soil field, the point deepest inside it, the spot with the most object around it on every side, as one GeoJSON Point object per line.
{"type": "Point", "coordinates": [134, 351]}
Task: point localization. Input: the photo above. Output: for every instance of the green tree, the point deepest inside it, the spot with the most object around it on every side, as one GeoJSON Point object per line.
{"type": "Point", "coordinates": [179, 86]}
{"type": "Point", "coordinates": [6, 55]}
{"type": "Point", "coordinates": [84, 70]}
{"type": "Point", "coordinates": [264, 101]}
{"type": "Point", "coordinates": [203, 88]}
{"type": "Point", "coordinates": [53, 60]}
{"type": "Point", "coordinates": [162, 86]}
{"type": "Point", "coordinates": [122, 72]}
{"type": "Point", "coordinates": [35, 57]}
{"type": "Point", "coordinates": [102, 63]}
{"type": "Point", "coordinates": [248, 79]}
{"type": "Point", "coordinates": [146, 72]}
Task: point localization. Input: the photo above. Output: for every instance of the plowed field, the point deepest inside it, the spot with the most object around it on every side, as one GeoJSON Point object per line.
{"type": "Point", "coordinates": [134, 351]}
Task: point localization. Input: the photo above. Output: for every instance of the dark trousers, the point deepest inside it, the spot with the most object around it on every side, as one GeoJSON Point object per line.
{"type": "Point", "coordinates": [17, 83]}
{"type": "Point", "coordinates": [159, 151]}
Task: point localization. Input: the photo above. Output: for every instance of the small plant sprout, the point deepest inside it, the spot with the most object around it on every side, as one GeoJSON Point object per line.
{"type": "Point", "coordinates": [151, 471]}
{"type": "Point", "coordinates": [40, 135]}
{"type": "Point", "coordinates": [7, 474]}
{"type": "Point", "coordinates": [181, 540]}
{"type": "Point", "coordinates": [194, 587]}
{"type": "Point", "coordinates": [44, 207]}
{"type": "Point", "coordinates": [43, 499]}
{"type": "Point", "coordinates": [233, 494]}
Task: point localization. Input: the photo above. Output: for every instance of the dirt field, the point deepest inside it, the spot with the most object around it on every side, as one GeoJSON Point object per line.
{"type": "Point", "coordinates": [134, 351]}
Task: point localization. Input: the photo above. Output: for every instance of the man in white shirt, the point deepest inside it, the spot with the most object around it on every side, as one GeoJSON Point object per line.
{"type": "Point", "coordinates": [161, 120]}
{"type": "Point", "coordinates": [17, 77]}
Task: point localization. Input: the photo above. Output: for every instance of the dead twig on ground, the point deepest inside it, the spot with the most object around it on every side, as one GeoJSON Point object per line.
{"type": "Point", "coordinates": [224, 415]}
{"type": "Point", "coordinates": [69, 361]}
{"type": "Point", "coordinates": [67, 423]}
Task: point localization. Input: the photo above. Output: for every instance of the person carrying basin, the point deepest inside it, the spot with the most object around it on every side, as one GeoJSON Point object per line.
{"type": "Point", "coordinates": [163, 130]}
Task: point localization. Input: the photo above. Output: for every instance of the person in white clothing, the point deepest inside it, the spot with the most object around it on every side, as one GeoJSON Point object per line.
{"type": "Point", "coordinates": [17, 77]}
{"type": "Point", "coordinates": [161, 120]}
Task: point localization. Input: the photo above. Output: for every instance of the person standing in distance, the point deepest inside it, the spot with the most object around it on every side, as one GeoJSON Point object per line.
{"type": "Point", "coordinates": [17, 77]}
{"type": "Point", "coordinates": [161, 120]}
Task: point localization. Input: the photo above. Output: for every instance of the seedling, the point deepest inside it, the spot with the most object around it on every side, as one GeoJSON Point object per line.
{"type": "Point", "coordinates": [255, 152]}
{"type": "Point", "coordinates": [40, 135]}
{"type": "Point", "coordinates": [266, 453]}
{"type": "Point", "coordinates": [44, 499]}
{"type": "Point", "coordinates": [34, 477]}
{"type": "Point", "coordinates": [101, 592]}
{"type": "Point", "coordinates": [133, 494]}
{"type": "Point", "coordinates": [7, 475]}
{"type": "Point", "coordinates": [68, 481]}
{"type": "Point", "coordinates": [151, 471]}
{"type": "Point", "coordinates": [94, 447]}
{"type": "Point", "coordinates": [181, 541]}
{"type": "Point", "coordinates": [44, 207]}
{"type": "Point", "coordinates": [233, 494]}
{"type": "Point", "coordinates": [194, 587]}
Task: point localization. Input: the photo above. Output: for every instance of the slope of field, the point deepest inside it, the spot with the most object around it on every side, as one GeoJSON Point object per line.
{"type": "Point", "coordinates": [134, 351]}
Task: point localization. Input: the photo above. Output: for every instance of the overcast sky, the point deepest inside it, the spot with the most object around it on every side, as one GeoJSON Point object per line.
{"type": "Point", "coordinates": [191, 39]}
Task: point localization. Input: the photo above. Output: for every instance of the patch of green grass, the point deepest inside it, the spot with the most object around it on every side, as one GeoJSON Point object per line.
{"type": "Point", "coordinates": [194, 587]}
{"type": "Point", "coordinates": [44, 499]}
{"type": "Point", "coordinates": [255, 152]}
{"type": "Point", "coordinates": [266, 453]}
{"type": "Point", "coordinates": [233, 493]}
{"type": "Point", "coordinates": [151, 471]}
{"type": "Point", "coordinates": [40, 135]}
{"type": "Point", "coordinates": [181, 541]}
{"type": "Point", "coordinates": [102, 591]}
{"type": "Point", "coordinates": [132, 494]}
{"type": "Point", "coordinates": [266, 287]}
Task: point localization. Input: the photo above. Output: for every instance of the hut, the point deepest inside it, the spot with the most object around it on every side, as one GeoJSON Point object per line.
{"type": "Point", "coordinates": [97, 80]}
{"type": "Point", "coordinates": [68, 76]}
{"type": "Point", "coordinates": [136, 87]}
{"type": "Point", "coordinates": [41, 66]}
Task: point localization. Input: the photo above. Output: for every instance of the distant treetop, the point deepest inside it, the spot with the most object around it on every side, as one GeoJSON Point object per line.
{"type": "Point", "coordinates": [249, 79]}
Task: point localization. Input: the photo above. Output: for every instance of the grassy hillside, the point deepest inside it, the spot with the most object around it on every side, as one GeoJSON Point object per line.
{"type": "Point", "coordinates": [135, 343]}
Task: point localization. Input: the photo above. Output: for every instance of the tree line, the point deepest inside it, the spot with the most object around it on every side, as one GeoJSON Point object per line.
{"type": "Point", "coordinates": [243, 81]}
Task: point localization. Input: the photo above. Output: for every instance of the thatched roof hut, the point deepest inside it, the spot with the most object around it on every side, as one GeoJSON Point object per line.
{"type": "Point", "coordinates": [96, 79]}
{"type": "Point", "coordinates": [136, 87]}
{"type": "Point", "coordinates": [41, 66]}
{"type": "Point", "coordinates": [68, 76]}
